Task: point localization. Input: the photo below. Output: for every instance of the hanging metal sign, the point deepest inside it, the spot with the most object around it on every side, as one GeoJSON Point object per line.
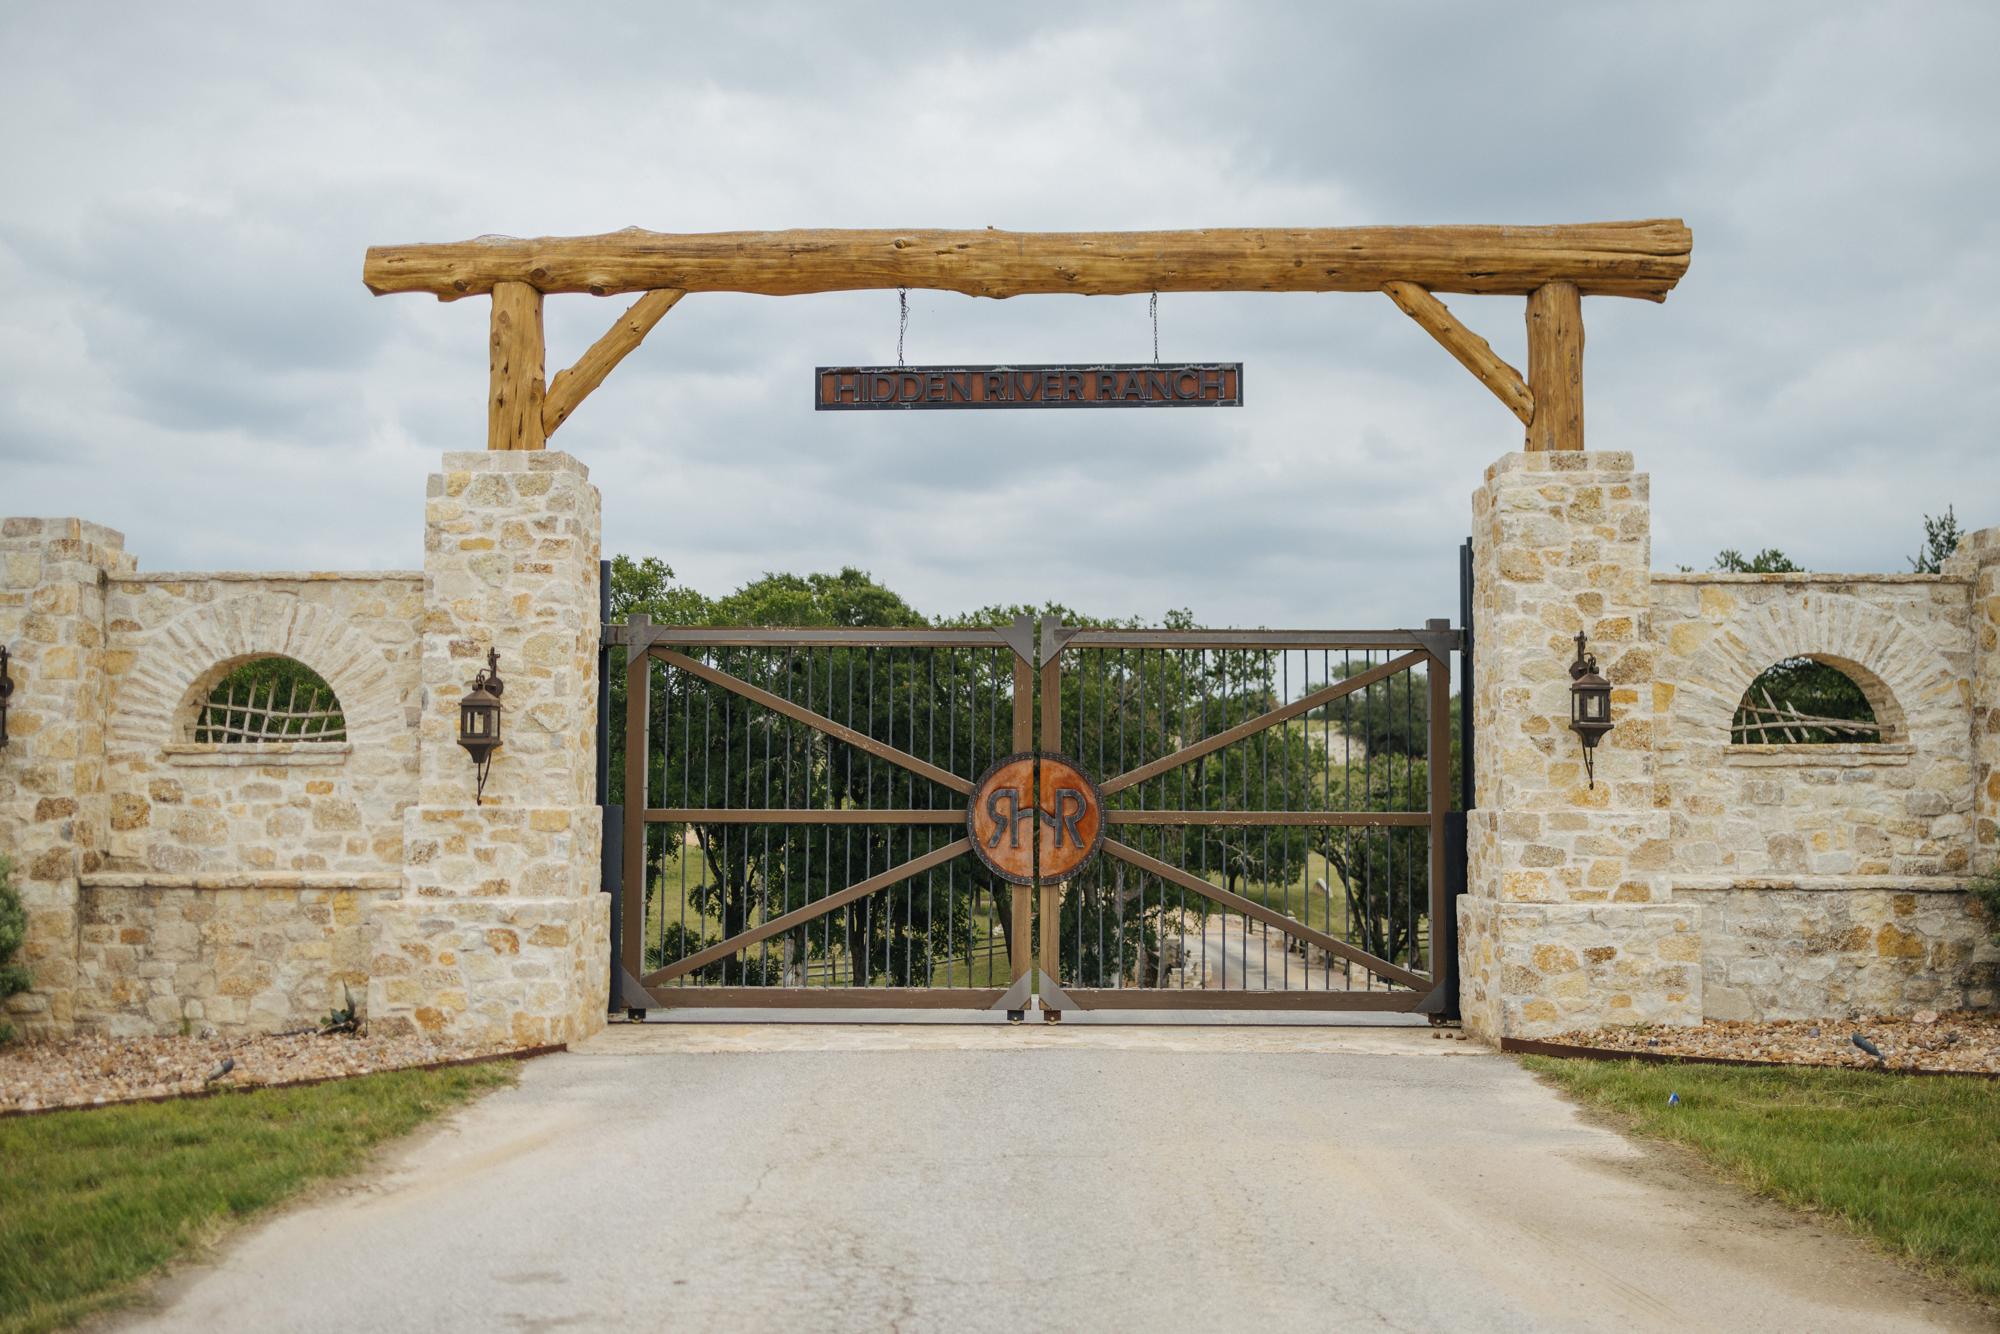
{"type": "Point", "coordinates": [1137, 385]}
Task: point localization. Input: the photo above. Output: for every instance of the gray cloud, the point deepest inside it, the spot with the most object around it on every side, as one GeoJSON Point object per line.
{"type": "Point", "coordinates": [186, 351]}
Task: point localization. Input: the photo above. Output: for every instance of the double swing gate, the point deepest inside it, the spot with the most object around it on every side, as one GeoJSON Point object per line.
{"type": "Point", "coordinates": [1106, 818]}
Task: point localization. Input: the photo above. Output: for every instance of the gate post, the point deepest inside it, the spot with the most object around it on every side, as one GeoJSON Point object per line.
{"type": "Point", "coordinates": [501, 933]}
{"type": "Point", "coordinates": [1978, 558]}
{"type": "Point", "coordinates": [53, 808]}
{"type": "Point", "coordinates": [1568, 920]}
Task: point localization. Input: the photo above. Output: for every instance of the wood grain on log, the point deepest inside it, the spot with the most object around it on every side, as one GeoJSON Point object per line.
{"type": "Point", "coordinates": [514, 397]}
{"type": "Point", "coordinates": [572, 386]}
{"type": "Point", "coordinates": [1472, 351]}
{"type": "Point", "coordinates": [1635, 259]}
{"type": "Point", "coordinates": [1555, 366]}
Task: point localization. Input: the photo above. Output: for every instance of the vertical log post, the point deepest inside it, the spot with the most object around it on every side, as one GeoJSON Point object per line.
{"type": "Point", "coordinates": [514, 398]}
{"type": "Point", "coordinates": [1555, 366]}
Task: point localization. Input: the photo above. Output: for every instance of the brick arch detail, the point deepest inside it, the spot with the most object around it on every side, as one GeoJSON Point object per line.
{"type": "Point", "coordinates": [172, 660]}
{"type": "Point", "coordinates": [1912, 687]}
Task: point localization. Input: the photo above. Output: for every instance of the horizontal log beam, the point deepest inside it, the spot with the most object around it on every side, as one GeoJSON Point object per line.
{"type": "Point", "coordinates": [1473, 352]}
{"type": "Point", "coordinates": [572, 386]}
{"type": "Point", "coordinates": [1635, 259]}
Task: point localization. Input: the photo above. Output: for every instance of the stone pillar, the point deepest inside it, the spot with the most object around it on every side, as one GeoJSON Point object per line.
{"type": "Point", "coordinates": [52, 800]}
{"type": "Point", "coordinates": [1978, 559]}
{"type": "Point", "coordinates": [502, 933]}
{"type": "Point", "coordinates": [1567, 920]}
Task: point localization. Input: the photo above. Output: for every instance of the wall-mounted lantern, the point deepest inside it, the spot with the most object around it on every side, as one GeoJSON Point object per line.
{"type": "Point", "coordinates": [479, 720]}
{"type": "Point", "coordinates": [6, 689]}
{"type": "Point", "coordinates": [1589, 705]}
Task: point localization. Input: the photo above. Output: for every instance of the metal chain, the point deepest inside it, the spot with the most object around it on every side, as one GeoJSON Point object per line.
{"type": "Point", "coordinates": [1153, 309]}
{"type": "Point", "coordinates": [903, 320]}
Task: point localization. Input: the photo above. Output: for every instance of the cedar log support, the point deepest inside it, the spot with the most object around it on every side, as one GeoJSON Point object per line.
{"type": "Point", "coordinates": [572, 386]}
{"type": "Point", "coordinates": [1634, 259]}
{"type": "Point", "coordinates": [1472, 351]}
{"type": "Point", "coordinates": [1554, 267]}
{"type": "Point", "coordinates": [1555, 366]}
{"type": "Point", "coordinates": [514, 397]}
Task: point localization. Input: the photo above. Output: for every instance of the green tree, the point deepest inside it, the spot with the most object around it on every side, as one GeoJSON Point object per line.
{"type": "Point", "coordinates": [952, 707]}
{"type": "Point", "coordinates": [1384, 872]}
{"type": "Point", "coordinates": [722, 751]}
{"type": "Point", "coordinates": [1941, 538]}
{"type": "Point", "coordinates": [1768, 561]}
{"type": "Point", "coordinates": [14, 979]}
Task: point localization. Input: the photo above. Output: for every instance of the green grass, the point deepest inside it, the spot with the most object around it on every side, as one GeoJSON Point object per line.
{"type": "Point", "coordinates": [96, 1200]}
{"type": "Point", "coordinates": [1914, 1163]}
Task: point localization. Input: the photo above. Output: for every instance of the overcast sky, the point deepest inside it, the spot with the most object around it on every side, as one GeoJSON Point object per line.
{"type": "Point", "coordinates": [187, 352]}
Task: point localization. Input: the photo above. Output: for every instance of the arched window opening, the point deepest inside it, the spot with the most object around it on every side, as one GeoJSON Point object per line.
{"type": "Point", "coordinates": [1806, 701]}
{"type": "Point", "coordinates": [268, 699]}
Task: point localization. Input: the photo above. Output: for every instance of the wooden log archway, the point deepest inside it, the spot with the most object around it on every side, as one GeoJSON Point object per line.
{"type": "Point", "coordinates": [1553, 267]}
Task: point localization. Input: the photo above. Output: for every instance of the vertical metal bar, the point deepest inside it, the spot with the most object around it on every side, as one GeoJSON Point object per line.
{"type": "Point", "coordinates": [631, 909]}
{"type": "Point", "coordinates": [1051, 709]}
{"type": "Point", "coordinates": [951, 762]}
{"type": "Point", "coordinates": [1440, 803]}
{"type": "Point", "coordinates": [866, 973]}
{"type": "Point", "coordinates": [1465, 740]}
{"type": "Point", "coordinates": [1022, 948]}
{"type": "Point", "coordinates": [687, 776]}
{"type": "Point", "coordinates": [930, 746]}
{"type": "Point", "coordinates": [764, 889]}
{"type": "Point", "coordinates": [1103, 689]}
{"type": "Point", "coordinates": [610, 861]}
{"type": "Point", "coordinates": [603, 683]}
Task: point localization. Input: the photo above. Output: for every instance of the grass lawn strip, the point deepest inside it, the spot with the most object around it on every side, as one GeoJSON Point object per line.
{"type": "Point", "coordinates": [97, 1200]}
{"type": "Point", "coordinates": [1913, 1163]}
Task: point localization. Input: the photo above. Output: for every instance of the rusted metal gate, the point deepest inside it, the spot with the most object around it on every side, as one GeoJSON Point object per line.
{"type": "Point", "coordinates": [1106, 818]}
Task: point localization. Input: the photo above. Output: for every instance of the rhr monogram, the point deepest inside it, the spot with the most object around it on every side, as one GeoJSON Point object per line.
{"type": "Point", "coordinates": [1071, 803]}
{"type": "Point", "coordinates": [1024, 840]}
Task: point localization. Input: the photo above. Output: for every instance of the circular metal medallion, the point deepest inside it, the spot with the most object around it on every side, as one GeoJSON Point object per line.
{"type": "Point", "coordinates": [1034, 812]}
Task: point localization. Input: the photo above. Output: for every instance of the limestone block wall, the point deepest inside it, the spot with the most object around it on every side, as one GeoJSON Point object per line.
{"type": "Point", "coordinates": [1899, 808]}
{"type": "Point", "coordinates": [235, 953]}
{"type": "Point", "coordinates": [179, 808]}
{"type": "Point", "coordinates": [502, 933]}
{"type": "Point", "coordinates": [52, 786]}
{"type": "Point", "coordinates": [1817, 947]}
{"type": "Point", "coordinates": [179, 884]}
{"type": "Point", "coordinates": [1703, 878]}
{"type": "Point", "coordinates": [1832, 875]}
{"type": "Point", "coordinates": [1569, 919]}
{"type": "Point", "coordinates": [1977, 561]}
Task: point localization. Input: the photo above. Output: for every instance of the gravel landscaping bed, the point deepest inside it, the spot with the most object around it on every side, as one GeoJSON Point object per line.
{"type": "Point", "coordinates": [1926, 1040]}
{"type": "Point", "coordinates": [91, 1071]}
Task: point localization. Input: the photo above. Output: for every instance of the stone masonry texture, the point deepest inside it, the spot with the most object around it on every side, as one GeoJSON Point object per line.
{"type": "Point", "coordinates": [252, 887]}
{"type": "Point", "coordinates": [1727, 880]}
{"type": "Point", "coordinates": [171, 883]}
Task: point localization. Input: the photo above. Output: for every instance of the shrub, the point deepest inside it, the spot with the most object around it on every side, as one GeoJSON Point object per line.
{"type": "Point", "coordinates": [1986, 893]}
{"type": "Point", "coordinates": [13, 930]}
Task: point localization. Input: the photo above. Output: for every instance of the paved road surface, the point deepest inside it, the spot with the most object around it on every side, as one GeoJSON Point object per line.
{"type": "Point", "coordinates": [679, 1177]}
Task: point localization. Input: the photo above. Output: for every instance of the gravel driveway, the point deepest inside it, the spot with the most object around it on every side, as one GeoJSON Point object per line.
{"type": "Point", "coordinates": [697, 1177]}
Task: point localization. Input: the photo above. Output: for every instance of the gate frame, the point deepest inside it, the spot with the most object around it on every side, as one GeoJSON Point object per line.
{"type": "Point", "coordinates": [1034, 964]}
{"type": "Point", "coordinates": [632, 986]}
{"type": "Point", "coordinates": [1432, 647]}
